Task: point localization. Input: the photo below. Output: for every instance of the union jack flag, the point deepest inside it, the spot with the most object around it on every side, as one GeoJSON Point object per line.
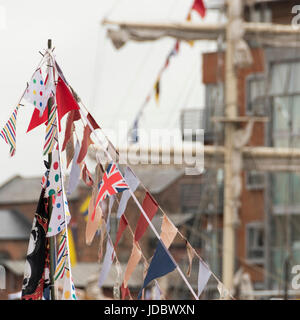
{"type": "Point", "coordinates": [112, 183]}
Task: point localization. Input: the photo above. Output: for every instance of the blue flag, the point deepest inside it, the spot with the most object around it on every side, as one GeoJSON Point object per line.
{"type": "Point", "coordinates": [160, 265]}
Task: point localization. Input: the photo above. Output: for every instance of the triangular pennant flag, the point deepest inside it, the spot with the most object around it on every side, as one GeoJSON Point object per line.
{"type": "Point", "coordinates": [125, 292]}
{"type": "Point", "coordinates": [75, 171]}
{"type": "Point", "coordinates": [64, 100]}
{"type": "Point", "coordinates": [133, 261]}
{"type": "Point", "coordinates": [86, 141]}
{"type": "Point", "coordinates": [37, 261]}
{"type": "Point", "coordinates": [122, 226]}
{"type": "Point", "coordinates": [51, 132]}
{"type": "Point", "coordinates": [112, 183]}
{"type": "Point", "coordinates": [60, 209]}
{"type": "Point", "coordinates": [92, 225]}
{"type": "Point", "coordinates": [203, 277]}
{"type": "Point", "coordinates": [133, 183]}
{"type": "Point", "coordinates": [199, 7]}
{"type": "Point", "coordinates": [150, 206]}
{"type": "Point", "coordinates": [36, 120]}
{"type": "Point", "coordinates": [74, 115]}
{"type": "Point", "coordinates": [8, 133]}
{"type": "Point", "coordinates": [108, 260]}
{"type": "Point", "coordinates": [37, 93]}
{"type": "Point", "coordinates": [161, 264]}
{"type": "Point", "coordinates": [168, 232]}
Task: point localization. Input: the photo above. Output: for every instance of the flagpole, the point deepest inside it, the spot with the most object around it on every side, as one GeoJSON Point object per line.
{"type": "Point", "coordinates": [52, 239]}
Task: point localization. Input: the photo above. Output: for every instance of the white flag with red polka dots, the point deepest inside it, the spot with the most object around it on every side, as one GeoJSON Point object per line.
{"type": "Point", "coordinates": [37, 93]}
{"type": "Point", "coordinates": [54, 182]}
{"type": "Point", "coordinates": [60, 210]}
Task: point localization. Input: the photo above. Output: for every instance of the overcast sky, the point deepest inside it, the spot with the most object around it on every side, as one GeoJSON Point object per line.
{"type": "Point", "coordinates": [112, 83]}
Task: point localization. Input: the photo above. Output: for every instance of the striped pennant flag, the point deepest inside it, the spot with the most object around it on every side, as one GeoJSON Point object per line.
{"type": "Point", "coordinates": [51, 132]}
{"type": "Point", "coordinates": [62, 257]}
{"type": "Point", "coordinates": [8, 133]}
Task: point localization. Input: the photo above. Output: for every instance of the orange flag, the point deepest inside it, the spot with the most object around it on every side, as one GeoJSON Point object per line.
{"type": "Point", "coordinates": [168, 232]}
{"type": "Point", "coordinates": [92, 225]}
{"type": "Point", "coordinates": [134, 259]}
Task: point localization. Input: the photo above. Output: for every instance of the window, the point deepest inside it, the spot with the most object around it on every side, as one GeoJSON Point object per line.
{"type": "Point", "coordinates": [285, 192]}
{"type": "Point", "coordinates": [214, 107]}
{"type": "Point", "coordinates": [191, 119]}
{"type": "Point", "coordinates": [256, 95]}
{"type": "Point", "coordinates": [285, 99]}
{"type": "Point", "coordinates": [255, 242]}
{"type": "Point", "coordinates": [255, 180]}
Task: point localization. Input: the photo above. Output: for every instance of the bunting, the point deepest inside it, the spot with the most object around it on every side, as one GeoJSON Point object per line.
{"type": "Point", "coordinates": [92, 225]}
{"type": "Point", "coordinates": [122, 226]}
{"type": "Point", "coordinates": [203, 277]}
{"type": "Point", "coordinates": [168, 232]}
{"type": "Point", "coordinates": [108, 260]}
{"type": "Point", "coordinates": [199, 7]}
{"type": "Point", "coordinates": [8, 133]}
{"type": "Point", "coordinates": [161, 264]}
{"type": "Point", "coordinates": [134, 259]}
{"type": "Point", "coordinates": [133, 182]}
{"type": "Point", "coordinates": [54, 183]}
{"type": "Point", "coordinates": [112, 183]}
{"type": "Point", "coordinates": [150, 207]}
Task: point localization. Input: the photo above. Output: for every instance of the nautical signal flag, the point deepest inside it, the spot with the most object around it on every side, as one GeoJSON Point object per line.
{"type": "Point", "coordinates": [161, 264]}
{"type": "Point", "coordinates": [112, 183]}
{"type": "Point", "coordinates": [199, 7]}
{"type": "Point", "coordinates": [8, 133]}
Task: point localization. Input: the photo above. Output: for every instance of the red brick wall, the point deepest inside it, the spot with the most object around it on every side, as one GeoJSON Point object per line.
{"type": "Point", "coordinates": [252, 208]}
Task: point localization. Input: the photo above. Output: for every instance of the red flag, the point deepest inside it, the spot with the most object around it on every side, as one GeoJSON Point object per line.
{"type": "Point", "coordinates": [74, 115]}
{"type": "Point", "coordinates": [36, 120]}
{"type": "Point", "coordinates": [122, 226]}
{"type": "Point", "coordinates": [64, 100]}
{"type": "Point", "coordinates": [150, 206]}
{"type": "Point", "coordinates": [125, 292]}
{"type": "Point", "coordinates": [86, 141]}
{"type": "Point", "coordinates": [199, 7]}
{"type": "Point", "coordinates": [93, 122]}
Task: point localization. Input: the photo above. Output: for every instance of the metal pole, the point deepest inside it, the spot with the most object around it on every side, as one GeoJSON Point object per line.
{"type": "Point", "coordinates": [230, 112]}
{"type": "Point", "coordinates": [52, 239]}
